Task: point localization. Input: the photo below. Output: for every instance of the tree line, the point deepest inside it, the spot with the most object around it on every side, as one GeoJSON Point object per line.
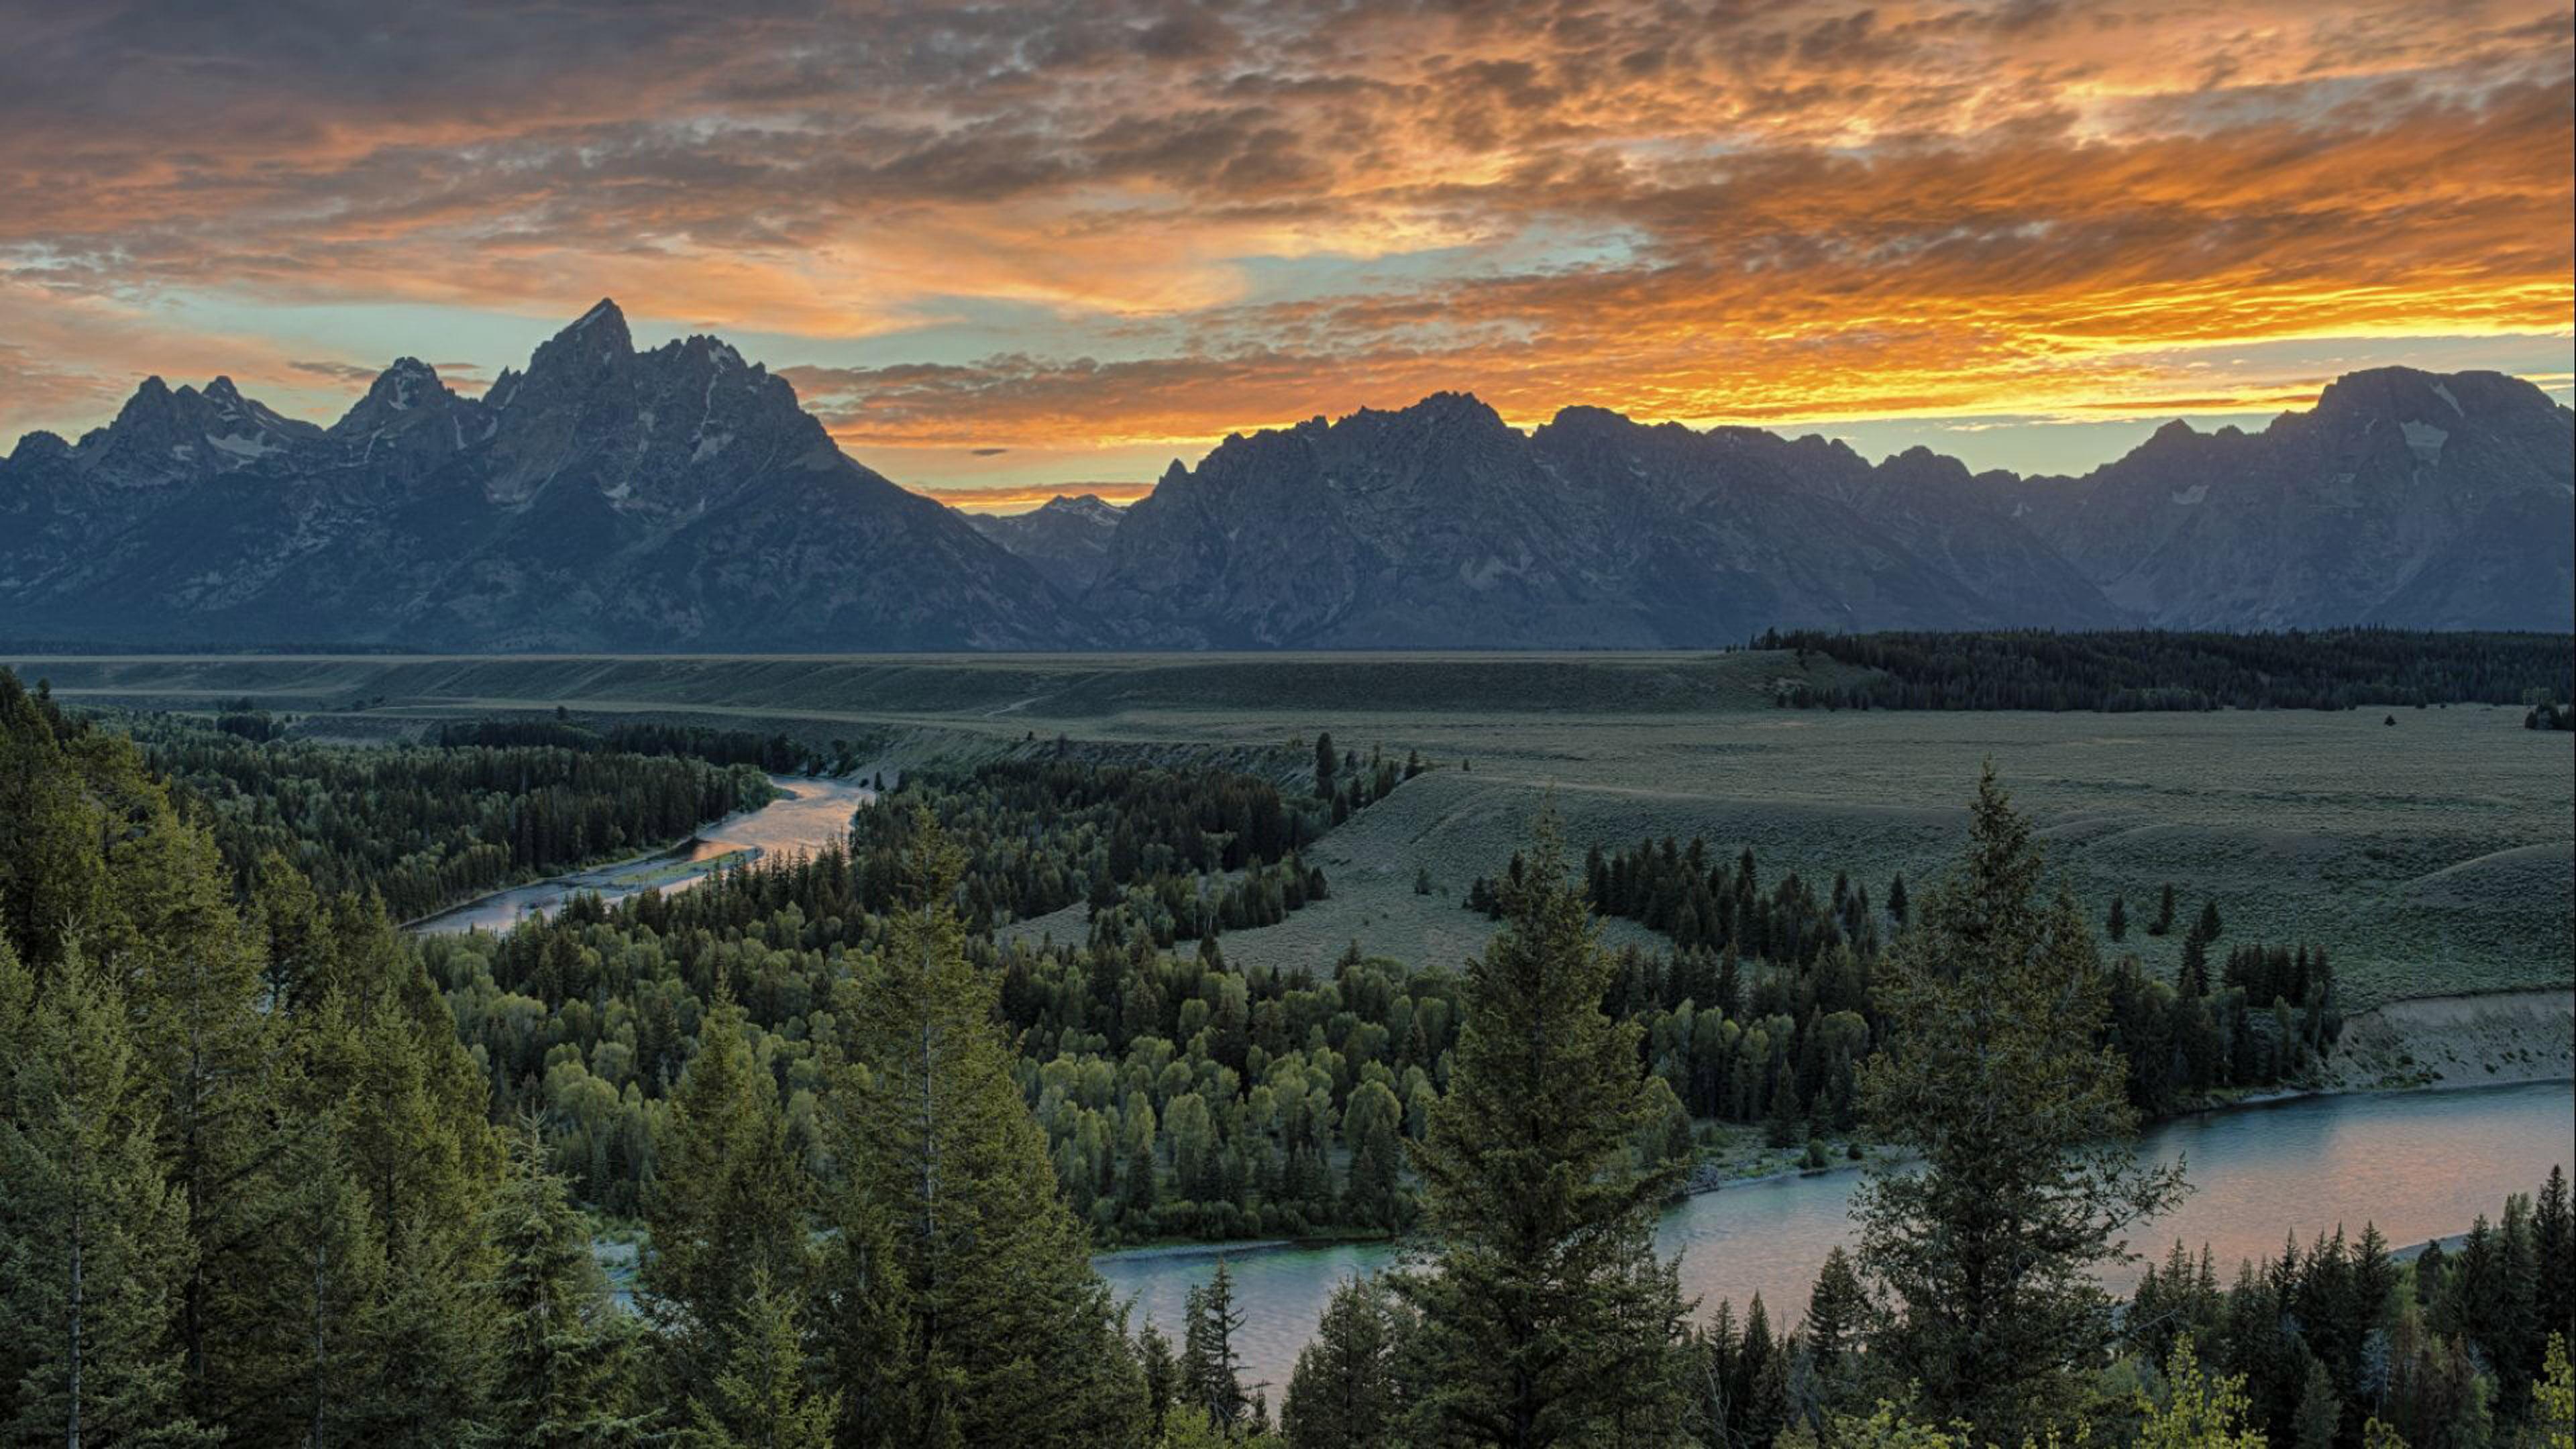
{"type": "Point", "coordinates": [2124, 670]}
{"type": "Point", "coordinates": [1768, 1001]}
{"type": "Point", "coordinates": [1164, 854]}
{"type": "Point", "coordinates": [776, 753]}
{"type": "Point", "coordinates": [426, 826]}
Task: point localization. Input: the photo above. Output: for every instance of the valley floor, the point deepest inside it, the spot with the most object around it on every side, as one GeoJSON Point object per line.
{"type": "Point", "coordinates": [2432, 857]}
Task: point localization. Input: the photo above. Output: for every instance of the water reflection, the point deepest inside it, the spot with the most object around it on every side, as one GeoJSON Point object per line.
{"type": "Point", "coordinates": [2419, 1164]}
{"type": "Point", "coordinates": [809, 815]}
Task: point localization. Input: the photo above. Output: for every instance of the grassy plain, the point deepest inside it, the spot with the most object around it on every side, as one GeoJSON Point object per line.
{"type": "Point", "coordinates": [2432, 857]}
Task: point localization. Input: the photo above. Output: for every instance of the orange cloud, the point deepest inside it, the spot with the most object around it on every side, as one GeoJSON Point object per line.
{"type": "Point", "coordinates": [1153, 222]}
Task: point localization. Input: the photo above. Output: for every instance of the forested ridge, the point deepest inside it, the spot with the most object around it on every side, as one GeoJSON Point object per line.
{"type": "Point", "coordinates": [2123, 670]}
{"type": "Point", "coordinates": [428, 825]}
{"type": "Point", "coordinates": [776, 753]}
{"type": "Point", "coordinates": [277, 1174]}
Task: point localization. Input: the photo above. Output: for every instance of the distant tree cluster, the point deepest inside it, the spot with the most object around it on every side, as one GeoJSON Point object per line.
{"type": "Point", "coordinates": [1150, 848]}
{"type": "Point", "coordinates": [1767, 1003]}
{"type": "Point", "coordinates": [1347, 783]}
{"type": "Point", "coordinates": [775, 753]}
{"type": "Point", "coordinates": [2125, 670]}
{"type": "Point", "coordinates": [1172, 908]}
{"type": "Point", "coordinates": [426, 826]}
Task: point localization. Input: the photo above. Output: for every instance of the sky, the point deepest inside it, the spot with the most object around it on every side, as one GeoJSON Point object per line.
{"type": "Point", "coordinates": [1005, 250]}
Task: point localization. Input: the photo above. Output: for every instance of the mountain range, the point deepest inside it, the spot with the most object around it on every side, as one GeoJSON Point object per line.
{"type": "Point", "coordinates": [679, 498]}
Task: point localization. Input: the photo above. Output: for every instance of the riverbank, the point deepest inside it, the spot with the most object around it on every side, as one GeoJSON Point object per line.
{"type": "Point", "coordinates": [672, 860]}
{"type": "Point", "coordinates": [2437, 1042]}
{"type": "Point", "coordinates": [804, 814]}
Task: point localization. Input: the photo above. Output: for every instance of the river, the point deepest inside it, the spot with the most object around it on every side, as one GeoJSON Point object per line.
{"type": "Point", "coordinates": [812, 814]}
{"type": "Point", "coordinates": [2418, 1164]}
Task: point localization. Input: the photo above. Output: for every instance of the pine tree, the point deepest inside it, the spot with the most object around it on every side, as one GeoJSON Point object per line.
{"type": "Point", "coordinates": [1162, 1372]}
{"type": "Point", "coordinates": [1343, 1393]}
{"type": "Point", "coordinates": [1545, 1317]}
{"type": "Point", "coordinates": [1835, 1329]}
{"type": "Point", "coordinates": [2191, 979]}
{"type": "Point", "coordinates": [2117, 924]}
{"type": "Point", "coordinates": [2163, 923]}
{"type": "Point", "coordinates": [326, 1283]}
{"type": "Point", "coordinates": [1211, 1370]}
{"type": "Point", "coordinates": [729, 1205]}
{"type": "Point", "coordinates": [1992, 1077]}
{"type": "Point", "coordinates": [211, 1053]}
{"type": "Point", "coordinates": [2314, 1424]}
{"type": "Point", "coordinates": [2554, 1246]}
{"type": "Point", "coordinates": [561, 1355]}
{"type": "Point", "coordinates": [760, 1398]}
{"type": "Point", "coordinates": [1325, 761]}
{"type": "Point", "coordinates": [1007, 1335]}
{"type": "Point", "coordinates": [427, 1341]}
{"type": "Point", "coordinates": [93, 1240]}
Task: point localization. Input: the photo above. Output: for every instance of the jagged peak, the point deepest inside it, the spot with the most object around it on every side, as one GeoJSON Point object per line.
{"type": "Point", "coordinates": [152, 401]}
{"type": "Point", "coordinates": [715, 349]}
{"type": "Point", "coordinates": [602, 311]}
{"type": "Point", "coordinates": [405, 384]}
{"type": "Point", "coordinates": [597, 335]}
{"type": "Point", "coordinates": [150, 390]}
{"type": "Point", "coordinates": [39, 444]}
{"type": "Point", "coordinates": [1447, 406]}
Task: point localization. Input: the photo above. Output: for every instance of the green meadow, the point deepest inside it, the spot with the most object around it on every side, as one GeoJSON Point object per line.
{"type": "Point", "coordinates": [2431, 856]}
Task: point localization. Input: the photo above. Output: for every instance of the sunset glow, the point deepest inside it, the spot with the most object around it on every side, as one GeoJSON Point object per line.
{"type": "Point", "coordinates": [1040, 248]}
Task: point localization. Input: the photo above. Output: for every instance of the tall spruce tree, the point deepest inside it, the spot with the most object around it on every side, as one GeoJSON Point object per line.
{"type": "Point", "coordinates": [1343, 1393]}
{"type": "Point", "coordinates": [1546, 1318]}
{"type": "Point", "coordinates": [93, 1240]}
{"type": "Point", "coordinates": [562, 1352]}
{"type": "Point", "coordinates": [325, 1282]}
{"type": "Point", "coordinates": [1991, 1075]}
{"type": "Point", "coordinates": [2554, 1244]}
{"type": "Point", "coordinates": [1833, 1336]}
{"type": "Point", "coordinates": [761, 1398]}
{"type": "Point", "coordinates": [967, 1254]}
{"type": "Point", "coordinates": [192, 982]}
{"type": "Point", "coordinates": [730, 1205]}
{"type": "Point", "coordinates": [1211, 1369]}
